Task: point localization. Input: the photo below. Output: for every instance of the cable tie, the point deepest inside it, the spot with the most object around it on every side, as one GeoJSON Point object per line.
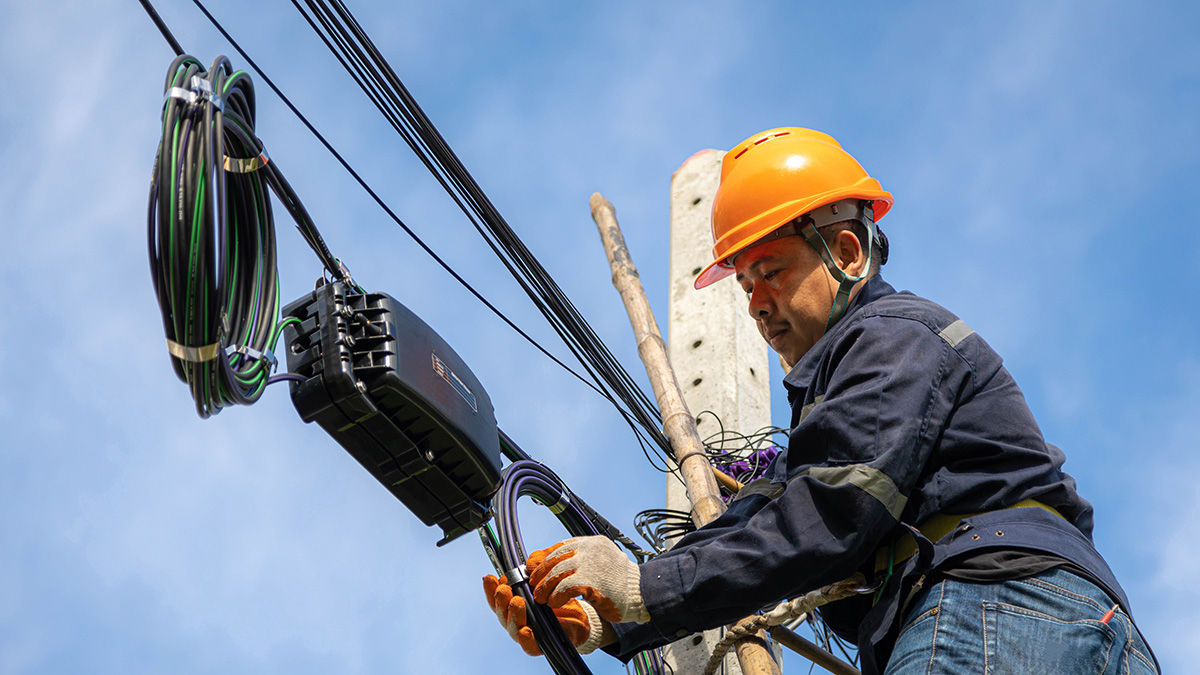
{"type": "Point", "coordinates": [193, 354]}
{"type": "Point", "coordinates": [252, 353]}
{"type": "Point", "coordinates": [246, 164]}
{"type": "Point", "coordinates": [516, 575]}
{"type": "Point", "coordinates": [203, 88]}
{"type": "Point", "coordinates": [561, 505]}
{"type": "Point", "coordinates": [202, 85]}
{"type": "Point", "coordinates": [185, 95]}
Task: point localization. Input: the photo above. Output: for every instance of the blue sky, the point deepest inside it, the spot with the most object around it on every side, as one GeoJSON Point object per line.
{"type": "Point", "coordinates": [1044, 157]}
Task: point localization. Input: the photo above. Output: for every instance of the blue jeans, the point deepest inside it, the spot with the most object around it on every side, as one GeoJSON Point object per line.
{"type": "Point", "coordinates": [1046, 624]}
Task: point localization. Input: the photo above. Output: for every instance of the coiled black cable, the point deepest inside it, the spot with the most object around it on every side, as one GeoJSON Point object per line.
{"type": "Point", "coordinates": [211, 235]}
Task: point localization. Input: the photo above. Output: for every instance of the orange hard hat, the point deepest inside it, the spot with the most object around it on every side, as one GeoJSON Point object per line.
{"type": "Point", "coordinates": [772, 178]}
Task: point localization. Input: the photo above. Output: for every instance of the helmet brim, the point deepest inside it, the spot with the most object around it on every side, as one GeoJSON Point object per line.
{"type": "Point", "coordinates": [754, 230]}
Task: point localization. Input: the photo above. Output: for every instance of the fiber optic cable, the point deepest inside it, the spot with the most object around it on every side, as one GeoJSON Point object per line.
{"type": "Point", "coordinates": [528, 478]}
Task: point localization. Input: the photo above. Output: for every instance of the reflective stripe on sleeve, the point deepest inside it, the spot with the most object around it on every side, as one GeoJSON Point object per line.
{"type": "Point", "coordinates": [867, 478]}
{"type": "Point", "coordinates": [761, 486]}
{"type": "Point", "coordinates": [956, 333]}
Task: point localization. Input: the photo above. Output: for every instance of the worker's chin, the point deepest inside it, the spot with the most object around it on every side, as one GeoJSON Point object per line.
{"type": "Point", "coordinates": [783, 344]}
{"type": "Point", "coordinates": [786, 357]}
{"type": "Point", "coordinates": [787, 365]}
{"type": "Point", "coordinates": [791, 352]}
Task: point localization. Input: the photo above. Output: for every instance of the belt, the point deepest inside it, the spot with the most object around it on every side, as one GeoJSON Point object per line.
{"type": "Point", "coordinates": [934, 529]}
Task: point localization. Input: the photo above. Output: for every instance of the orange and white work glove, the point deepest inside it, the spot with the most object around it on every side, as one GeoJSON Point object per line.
{"type": "Point", "coordinates": [592, 568]}
{"type": "Point", "coordinates": [578, 618]}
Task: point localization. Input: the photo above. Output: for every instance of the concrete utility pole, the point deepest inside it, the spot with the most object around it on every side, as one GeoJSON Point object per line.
{"type": "Point", "coordinates": [718, 356]}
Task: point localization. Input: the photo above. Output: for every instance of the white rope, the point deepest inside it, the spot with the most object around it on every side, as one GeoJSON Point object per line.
{"type": "Point", "coordinates": [783, 612]}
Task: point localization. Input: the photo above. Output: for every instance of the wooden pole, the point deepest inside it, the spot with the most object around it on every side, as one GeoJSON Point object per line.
{"type": "Point", "coordinates": [728, 482]}
{"type": "Point", "coordinates": [678, 423]}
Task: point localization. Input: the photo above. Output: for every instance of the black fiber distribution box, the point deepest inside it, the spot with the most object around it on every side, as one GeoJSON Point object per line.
{"type": "Point", "coordinates": [396, 397]}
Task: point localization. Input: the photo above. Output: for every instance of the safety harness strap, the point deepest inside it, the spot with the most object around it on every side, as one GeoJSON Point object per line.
{"type": "Point", "coordinates": [937, 527]}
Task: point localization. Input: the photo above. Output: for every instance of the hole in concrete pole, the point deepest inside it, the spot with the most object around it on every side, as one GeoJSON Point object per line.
{"type": "Point", "coordinates": [696, 382]}
{"type": "Point", "coordinates": [752, 371]}
{"type": "Point", "coordinates": [697, 640]}
{"type": "Point", "coordinates": [696, 201]}
{"type": "Point", "coordinates": [696, 343]}
{"type": "Point", "coordinates": [697, 270]}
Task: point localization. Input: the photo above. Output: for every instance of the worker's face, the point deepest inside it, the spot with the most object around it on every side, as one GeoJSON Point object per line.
{"type": "Point", "coordinates": [791, 291]}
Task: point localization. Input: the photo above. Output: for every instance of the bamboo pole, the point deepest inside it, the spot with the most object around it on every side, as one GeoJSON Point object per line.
{"type": "Point", "coordinates": [728, 482]}
{"type": "Point", "coordinates": [678, 423]}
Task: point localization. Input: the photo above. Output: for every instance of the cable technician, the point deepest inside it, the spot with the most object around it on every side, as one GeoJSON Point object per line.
{"type": "Point", "coordinates": [913, 459]}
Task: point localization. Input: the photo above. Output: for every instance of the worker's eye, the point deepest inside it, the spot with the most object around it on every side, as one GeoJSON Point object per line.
{"type": "Point", "coordinates": [771, 275]}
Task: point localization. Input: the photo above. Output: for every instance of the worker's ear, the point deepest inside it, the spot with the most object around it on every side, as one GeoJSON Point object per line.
{"type": "Point", "coordinates": [849, 253]}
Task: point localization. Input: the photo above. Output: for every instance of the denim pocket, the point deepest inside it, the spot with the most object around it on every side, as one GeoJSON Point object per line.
{"type": "Point", "coordinates": [1019, 641]}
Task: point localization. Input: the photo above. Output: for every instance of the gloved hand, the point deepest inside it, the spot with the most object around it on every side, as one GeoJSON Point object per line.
{"type": "Point", "coordinates": [594, 569]}
{"type": "Point", "coordinates": [578, 618]}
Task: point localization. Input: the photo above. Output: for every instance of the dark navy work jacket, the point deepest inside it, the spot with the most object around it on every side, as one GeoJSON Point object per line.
{"type": "Point", "coordinates": [899, 412]}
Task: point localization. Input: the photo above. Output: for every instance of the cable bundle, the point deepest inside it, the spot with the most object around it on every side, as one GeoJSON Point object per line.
{"type": "Point", "coordinates": [344, 36]}
{"type": "Point", "coordinates": [527, 478]}
{"type": "Point", "coordinates": [743, 457]}
{"type": "Point", "coordinates": [658, 525]}
{"type": "Point", "coordinates": [211, 235]}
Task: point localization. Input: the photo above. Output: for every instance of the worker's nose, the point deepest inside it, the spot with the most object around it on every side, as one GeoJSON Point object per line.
{"type": "Point", "coordinates": [759, 306]}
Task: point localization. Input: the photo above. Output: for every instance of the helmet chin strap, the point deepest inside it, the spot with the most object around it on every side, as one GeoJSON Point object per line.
{"type": "Point", "coordinates": [847, 209]}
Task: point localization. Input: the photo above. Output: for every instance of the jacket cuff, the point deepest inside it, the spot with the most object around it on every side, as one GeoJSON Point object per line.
{"type": "Point", "coordinates": [663, 583]}
{"type": "Point", "coordinates": [633, 638]}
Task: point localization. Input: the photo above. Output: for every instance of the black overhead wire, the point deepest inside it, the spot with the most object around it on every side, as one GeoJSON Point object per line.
{"type": "Point", "coordinates": [162, 27]}
{"type": "Point", "coordinates": [349, 43]}
{"type": "Point", "coordinates": [639, 411]}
